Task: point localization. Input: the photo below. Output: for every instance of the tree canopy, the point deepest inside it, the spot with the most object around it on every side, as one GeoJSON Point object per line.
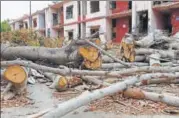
{"type": "Point", "coordinates": [5, 26]}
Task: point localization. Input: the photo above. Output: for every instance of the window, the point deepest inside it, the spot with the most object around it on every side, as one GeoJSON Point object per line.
{"type": "Point", "coordinates": [70, 35]}
{"type": "Point", "coordinates": [113, 4]}
{"type": "Point", "coordinates": [48, 32]}
{"type": "Point", "coordinates": [55, 19]}
{"type": "Point", "coordinates": [94, 30]}
{"type": "Point", "coordinates": [113, 35]}
{"type": "Point", "coordinates": [94, 6]}
{"type": "Point", "coordinates": [26, 25]}
{"type": "Point", "coordinates": [113, 22]}
{"type": "Point", "coordinates": [69, 12]}
{"type": "Point", "coordinates": [35, 22]}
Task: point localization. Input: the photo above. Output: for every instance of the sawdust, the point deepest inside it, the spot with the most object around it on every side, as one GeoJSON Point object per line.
{"type": "Point", "coordinates": [117, 104]}
{"type": "Point", "coordinates": [17, 101]}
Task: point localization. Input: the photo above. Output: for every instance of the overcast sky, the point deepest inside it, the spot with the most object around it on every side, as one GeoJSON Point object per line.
{"type": "Point", "coordinates": [15, 9]}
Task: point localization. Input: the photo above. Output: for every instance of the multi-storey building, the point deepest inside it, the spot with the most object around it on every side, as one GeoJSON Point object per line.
{"type": "Point", "coordinates": [113, 19]}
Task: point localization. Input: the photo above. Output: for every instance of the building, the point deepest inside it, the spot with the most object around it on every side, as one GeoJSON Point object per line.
{"type": "Point", "coordinates": [113, 19]}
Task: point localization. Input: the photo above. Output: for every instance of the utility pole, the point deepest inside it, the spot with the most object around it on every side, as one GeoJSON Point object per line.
{"type": "Point", "coordinates": [30, 17]}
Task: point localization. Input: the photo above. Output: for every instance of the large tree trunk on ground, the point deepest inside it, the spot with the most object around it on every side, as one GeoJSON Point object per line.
{"type": "Point", "coordinates": [87, 97]}
{"type": "Point", "coordinates": [68, 71]}
{"type": "Point", "coordinates": [140, 94]}
{"type": "Point", "coordinates": [54, 55]}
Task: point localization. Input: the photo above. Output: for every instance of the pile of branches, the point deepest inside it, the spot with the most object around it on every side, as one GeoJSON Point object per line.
{"type": "Point", "coordinates": [83, 61]}
{"type": "Point", "coordinates": [28, 37]}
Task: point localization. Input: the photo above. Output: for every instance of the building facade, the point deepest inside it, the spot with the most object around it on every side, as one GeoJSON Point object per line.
{"type": "Point", "coordinates": [113, 19]}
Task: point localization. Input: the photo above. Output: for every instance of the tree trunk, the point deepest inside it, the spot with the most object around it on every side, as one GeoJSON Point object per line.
{"type": "Point", "coordinates": [68, 71]}
{"type": "Point", "coordinates": [87, 97]}
{"type": "Point", "coordinates": [17, 77]}
{"type": "Point", "coordinates": [118, 65]}
{"type": "Point", "coordinates": [95, 80]}
{"type": "Point", "coordinates": [140, 94]}
{"type": "Point", "coordinates": [154, 59]}
{"type": "Point", "coordinates": [62, 83]}
{"type": "Point", "coordinates": [138, 58]}
{"type": "Point", "coordinates": [161, 81]}
{"type": "Point", "coordinates": [54, 55]}
{"type": "Point", "coordinates": [174, 54]}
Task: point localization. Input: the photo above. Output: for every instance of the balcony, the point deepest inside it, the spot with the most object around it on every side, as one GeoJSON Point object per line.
{"type": "Point", "coordinates": [165, 6]}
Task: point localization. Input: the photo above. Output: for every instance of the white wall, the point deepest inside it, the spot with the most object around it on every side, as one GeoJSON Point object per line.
{"type": "Point", "coordinates": [26, 20]}
{"type": "Point", "coordinates": [75, 12]}
{"type": "Point", "coordinates": [102, 23]}
{"type": "Point", "coordinates": [41, 21]}
{"type": "Point", "coordinates": [17, 25]}
{"type": "Point", "coordinates": [138, 6]}
{"type": "Point", "coordinates": [49, 22]}
{"type": "Point", "coordinates": [69, 28]}
{"type": "Point", "coordinates": [35, 17]}
{"type": "Point", "coordinates": [102, 10]}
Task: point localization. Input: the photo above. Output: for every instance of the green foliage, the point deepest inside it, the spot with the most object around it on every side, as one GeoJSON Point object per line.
{"type": "Point", "coordinates": [5, 27]}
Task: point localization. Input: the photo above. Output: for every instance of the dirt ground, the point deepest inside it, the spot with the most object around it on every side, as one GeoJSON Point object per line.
{"type": "Point", "coordinates": [40, 97]}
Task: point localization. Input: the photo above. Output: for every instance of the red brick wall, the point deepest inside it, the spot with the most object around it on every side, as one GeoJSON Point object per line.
{"type": "Point", "coordinates": [175, 21]}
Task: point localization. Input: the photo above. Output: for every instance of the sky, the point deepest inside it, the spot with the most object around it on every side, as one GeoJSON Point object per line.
{"type": "Point", "coordinates": [16, 9]}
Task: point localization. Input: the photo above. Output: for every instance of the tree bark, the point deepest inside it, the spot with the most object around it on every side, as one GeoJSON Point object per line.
{"type": "Point", "coordinates": [62, 83]}
{"type": "Point", "coordinates": [89, 72]}
{"type": "Point", "coordinates": [138, 58]}
{"type": "Point", "coordinates": [160, 81]}
{"type": "Point", "coordinates": [95, 80]}
{"type": "Point", "coordinates": [59, 56]}
{"type": "Point", "coordinates": [140, 94]}
{"type": "Point", "coordinates": [109, 55]}
{"type": "Point", "coordinates": [118, 65]}
{"type": "Point", "coordinates": [164, 53]}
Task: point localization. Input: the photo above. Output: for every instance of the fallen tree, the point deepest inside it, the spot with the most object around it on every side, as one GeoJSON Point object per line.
{"type": "Point", "coordinates": [86, 97]}
{"type": "Point", "coordinates": [140, 94]}
{"type": "Point", "coordinates": [68, 71]}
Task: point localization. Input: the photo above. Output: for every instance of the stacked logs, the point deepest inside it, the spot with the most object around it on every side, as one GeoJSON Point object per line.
{"type": "Point", "coordinates": [160, 65]}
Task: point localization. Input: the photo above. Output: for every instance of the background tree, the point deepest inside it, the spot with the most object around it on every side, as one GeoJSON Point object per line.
{"type": "Point", "coordinates": [5, 26]}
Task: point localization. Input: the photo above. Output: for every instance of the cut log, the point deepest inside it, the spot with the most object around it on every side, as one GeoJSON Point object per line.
{"type": "Point", "coordinates": [138, 58]}
{"type": "Point", "coordinates": [87, 97]}
{"type": "Point", "coordinates": [127, 49]}
{"type": "Point", "coordinates": [105, 53]}
{"type": "Point", "coordinates": [174, 54]}
{"type": "Point", "coordinates": [62, 83]}
{"type": "Point", "coordinates": [140, 94]}
{"type": "Point", "coordinates": [161, 81]}
{"type": "Point", "coordinates": [118, 65]}
{"type": "Point", "coordinates": [17, 76]}
{"type": "Point", "coordinates": [154, 59]}
{"type": "Point", "coordinates": [95, 80]}
{"type": "Point", "coordinates": [61, 56]}
{"type": "Point", "coordinates": [68, 71]}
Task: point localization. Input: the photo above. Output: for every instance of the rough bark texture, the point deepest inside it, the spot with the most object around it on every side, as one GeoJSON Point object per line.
{"type": "Point", "coordinates": [140, 94]}
{"type": "Point", "coordinates": [62, 83]}
{"type": "Point", "coordinates": [164, 53]}
{"type": "Point", "coordinates": [68, 71]}
{"type": "Point", "coordinates": [54, 55]}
